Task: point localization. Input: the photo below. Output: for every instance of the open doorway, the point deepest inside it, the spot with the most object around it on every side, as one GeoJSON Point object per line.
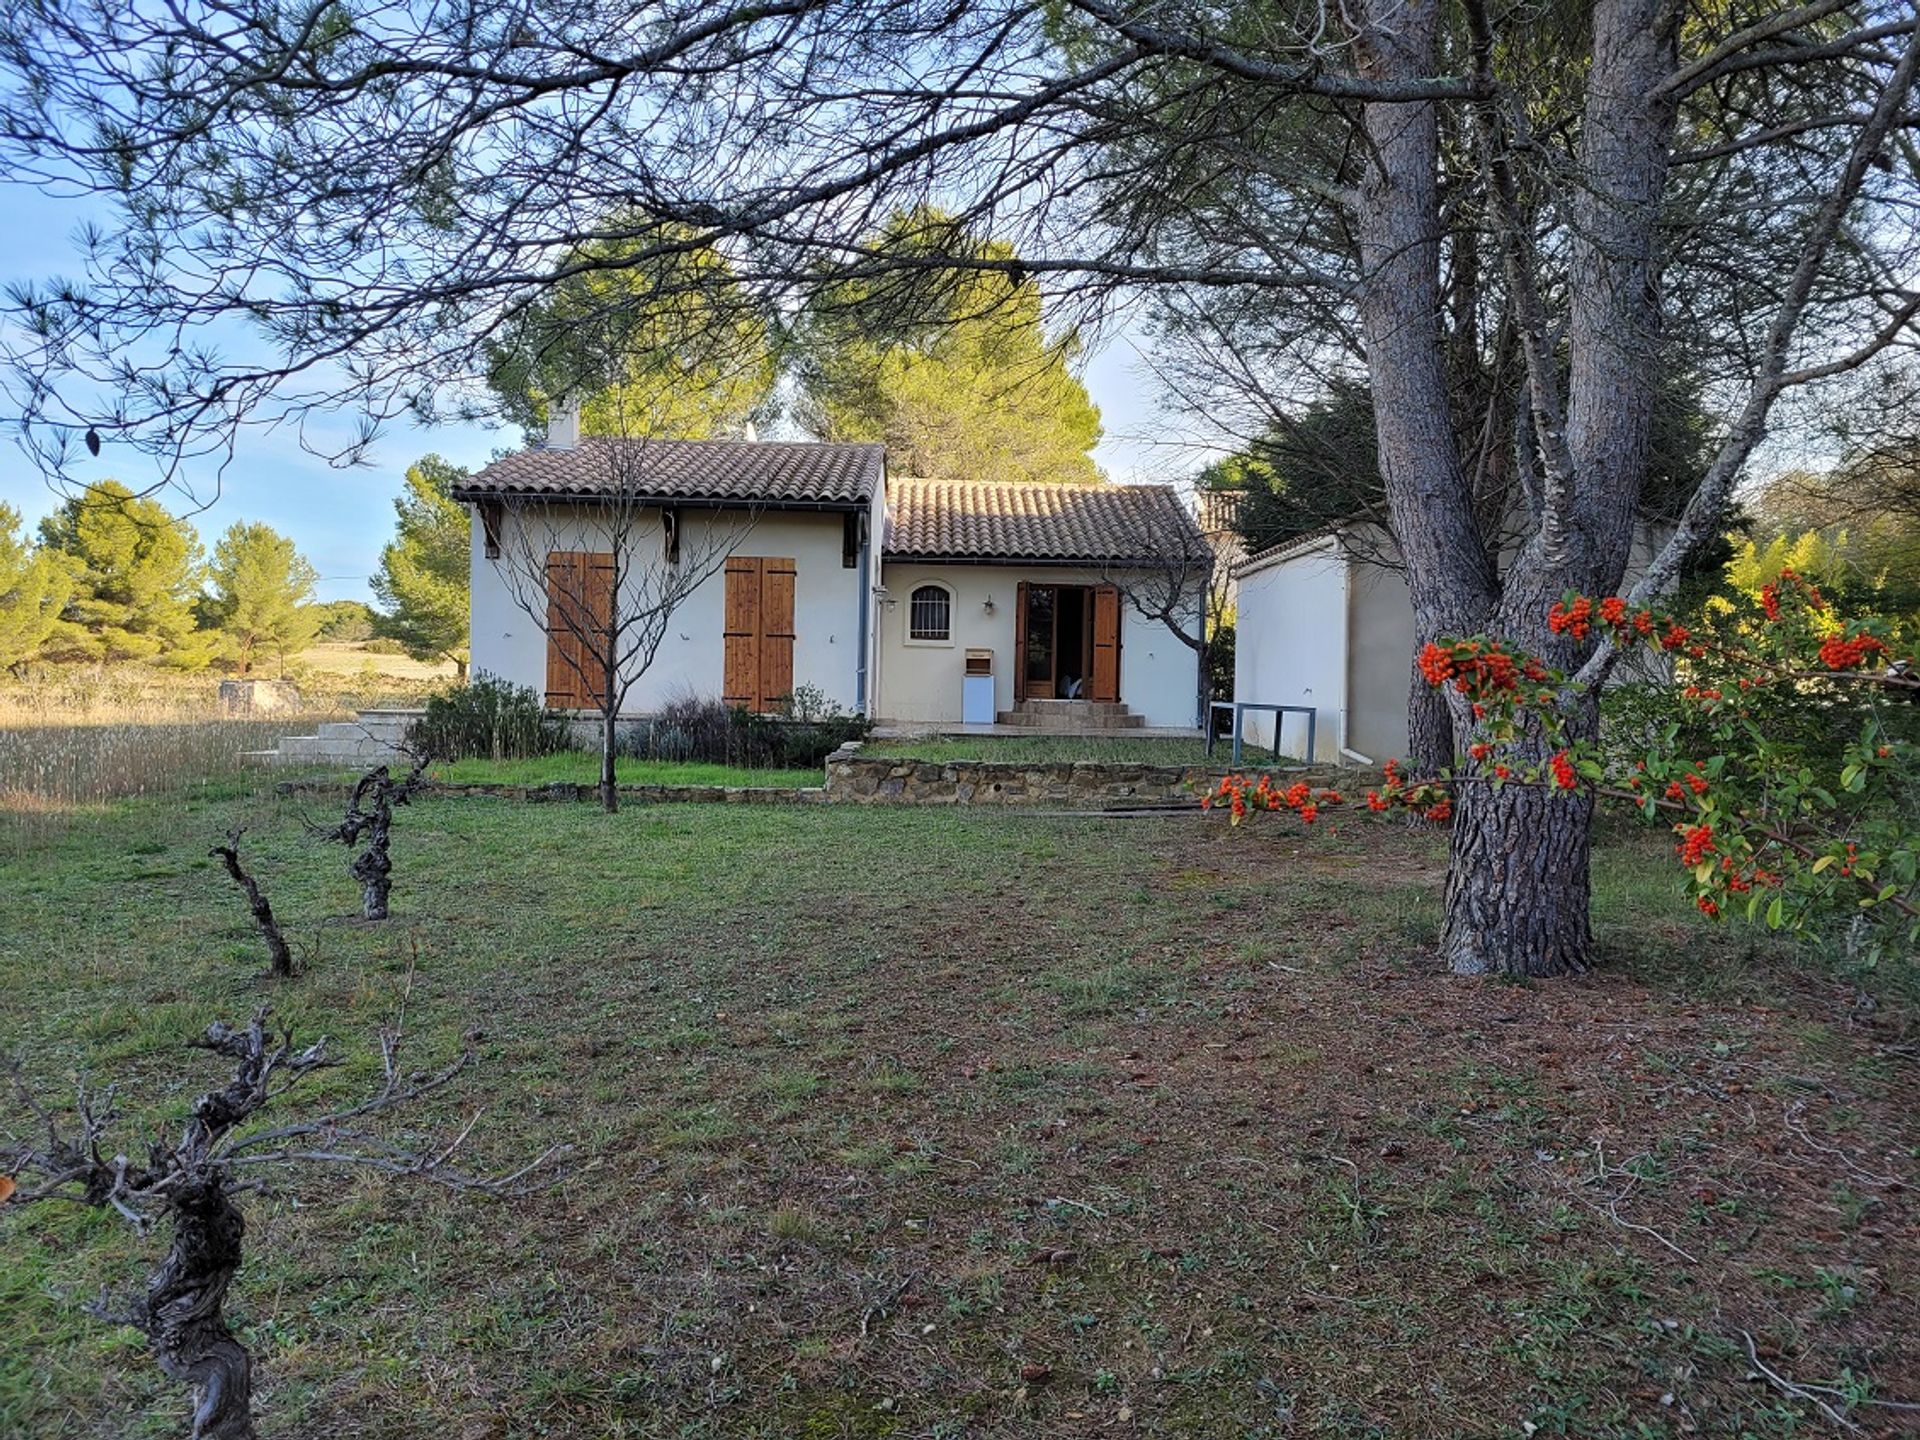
{"type": "Point", "coordinates": [1057, 650]}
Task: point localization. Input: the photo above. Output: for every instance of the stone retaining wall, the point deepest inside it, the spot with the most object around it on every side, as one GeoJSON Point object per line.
{"type": "Point", "coordinates": [856, 779]}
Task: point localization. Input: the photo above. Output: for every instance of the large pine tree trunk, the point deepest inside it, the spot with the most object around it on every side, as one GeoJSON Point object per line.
{"type": "Point", "coordinates": [1517, 884]}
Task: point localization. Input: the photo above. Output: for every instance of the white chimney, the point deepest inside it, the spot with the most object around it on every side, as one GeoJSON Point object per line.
{"type": "Point", "coordinates": [753, 434]}
{"type": "Point", "coordinates": [563, 423]}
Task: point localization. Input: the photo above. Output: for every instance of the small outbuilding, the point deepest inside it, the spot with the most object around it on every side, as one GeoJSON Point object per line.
{"type": "Point", "coordinates": [1318, 626]}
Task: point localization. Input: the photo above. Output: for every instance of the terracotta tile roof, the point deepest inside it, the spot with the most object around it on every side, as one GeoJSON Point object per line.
{"type": "Point", "coordinates": [766, 472]}
{"type": "Point", "coordinates": [989, 520]}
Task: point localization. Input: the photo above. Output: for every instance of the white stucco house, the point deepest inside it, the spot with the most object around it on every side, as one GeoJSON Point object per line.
{"type": "Point", "coordinates": [825, 571]}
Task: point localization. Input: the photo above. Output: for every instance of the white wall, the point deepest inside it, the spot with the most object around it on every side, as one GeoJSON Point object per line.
{"type": "Point", "coordinates": [1290, 648]}
{"type": "Point", "coordinates": [919, 683]}
{"type": "Point", "coordinates": [1379, 661]}
{"type": "Point", "coordinates": [510, 643]}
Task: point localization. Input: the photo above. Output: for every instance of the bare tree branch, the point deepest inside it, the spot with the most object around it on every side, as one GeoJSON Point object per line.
{"type": "Point", "coordinates": [189, 1183]}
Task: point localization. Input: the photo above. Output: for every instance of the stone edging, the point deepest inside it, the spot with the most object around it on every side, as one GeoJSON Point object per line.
{"type": "Point", "coordinates": [856, 779]}
{"type": "Point", "coordinates": [561, 791]}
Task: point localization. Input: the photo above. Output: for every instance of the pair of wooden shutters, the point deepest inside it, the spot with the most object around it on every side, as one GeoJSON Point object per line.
{"type": "Point", "coordinates": [759, 631]}
{"type": "Point", "coordinates": [1103, 683]}
{"type": "Point", "coordinates": [579, 611]}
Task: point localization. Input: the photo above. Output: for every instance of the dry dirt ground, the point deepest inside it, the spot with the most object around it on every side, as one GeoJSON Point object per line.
{"type": "Point", "coordinates": [917, 1123]}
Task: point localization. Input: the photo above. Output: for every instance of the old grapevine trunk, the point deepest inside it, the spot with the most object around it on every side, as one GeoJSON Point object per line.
{"type": "Point", "coordinates": [1517, 884]}
{"type": "Point", "coordinates": [182, 1312]}
{"type": "Point", "coordinates": [373, 868]}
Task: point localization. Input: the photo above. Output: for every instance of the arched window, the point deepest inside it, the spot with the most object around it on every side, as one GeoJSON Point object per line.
{"type": "Point", "coordinates": [930, 613]}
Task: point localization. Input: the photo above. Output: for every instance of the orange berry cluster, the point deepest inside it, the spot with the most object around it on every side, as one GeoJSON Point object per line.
{"type": "Point", "coordinates": [1843, 652]}
{"type": "Point", "coordinates": [1240, 796]}
{"type": "Point", "coordinates": [1696, 843]}
{"type": "Point", "coordinates": [1480, 669]}
{"type": "Point", "coordinates": [1564, 775]}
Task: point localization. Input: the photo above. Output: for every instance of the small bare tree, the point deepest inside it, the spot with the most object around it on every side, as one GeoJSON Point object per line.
{"type": "Point", "coordinates": [192, 1184]}
{"type": "Point", "coordinates": [1164, 567]}
{"type": "Point", "coordinates": [369, 817]}
{"type": "Point", "coordinates": [279, 954]}
{"type": "Point", "coordinates": [604, 572]}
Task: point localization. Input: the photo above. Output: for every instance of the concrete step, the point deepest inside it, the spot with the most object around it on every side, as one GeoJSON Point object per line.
{"type": "Point", "coordinates": [323, 749]}
{"type": "Point", "coordinates": [1029, 720]}
{"type": "Point", "coordinates": [371, 737]}
{"type": "Point", "coordinates": [1078, 707]}
{"type": "Point", "coordinates": [351, 730]}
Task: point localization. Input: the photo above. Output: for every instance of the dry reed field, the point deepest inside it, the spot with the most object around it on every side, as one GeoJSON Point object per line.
{"type": "Point", "coordinates": [79, 740]}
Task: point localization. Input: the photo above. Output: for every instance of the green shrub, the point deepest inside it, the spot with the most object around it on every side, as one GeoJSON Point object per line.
{"type": "Point", "coordinates": [806, 729]}
{"type": "Point", "coordinates": [491, 719]}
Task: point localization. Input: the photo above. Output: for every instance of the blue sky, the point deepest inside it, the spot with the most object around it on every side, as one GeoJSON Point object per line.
{"type": "Point", "coordinates": [341, 517]}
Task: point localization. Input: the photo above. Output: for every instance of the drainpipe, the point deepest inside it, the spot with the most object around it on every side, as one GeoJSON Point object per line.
{"type": "Point", "coordinates": [1346, 646]}
{"type": "Point", "coordinates": [864, 588]}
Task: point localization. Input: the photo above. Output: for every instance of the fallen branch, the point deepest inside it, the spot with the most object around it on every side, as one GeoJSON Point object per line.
{"type": "Point", "coordinates": [1792, 1391]}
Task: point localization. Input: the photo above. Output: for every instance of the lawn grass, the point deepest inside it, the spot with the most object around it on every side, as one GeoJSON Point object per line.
{"type": "Point", "coordinates": [581, 767]}
{"type": "Point", "coordinates": [1052, 749]}
{"type": "Point", "coordinates": [914, 1122]}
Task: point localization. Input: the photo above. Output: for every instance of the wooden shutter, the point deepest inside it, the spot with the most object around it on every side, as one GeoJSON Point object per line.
{"type": "Point", "coordinates": [1019, 642]}
{"type": "Point", "coordinates": [777, 579]}
{"type": "Point", "coordinates": [579, 609]}
{"type": "Point", "coordinates": [741, 685]}
{"type": "Point", "coordinates": [1106, 644]}
{"type": "Point", "coordinates": [563, 684]}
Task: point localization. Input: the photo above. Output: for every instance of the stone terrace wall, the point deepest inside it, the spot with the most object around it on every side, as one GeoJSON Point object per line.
{"type": "Point", "coordinates": [879, 780]}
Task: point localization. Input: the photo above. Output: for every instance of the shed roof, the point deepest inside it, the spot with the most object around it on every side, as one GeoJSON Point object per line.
{"type": "Point", "coordinates": [1308, 543]}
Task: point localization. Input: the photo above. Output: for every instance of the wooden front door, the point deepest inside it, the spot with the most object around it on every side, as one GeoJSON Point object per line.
{"type": "Point", "coordinates": [579, 615]}
{"type": "Point", "coordinates": [1020, 642]}
{"type": "Point", "coordinates": [1064, 634]}
{"type": "Point", "coordinates": [759, 631]}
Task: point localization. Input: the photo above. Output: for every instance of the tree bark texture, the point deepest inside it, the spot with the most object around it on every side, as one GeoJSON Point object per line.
{"type": "Point", "coordinates": [1430, 743]}
{"type": "Point", "coordinates": [1518, 887]}
{"type": "Point", "coordinates": [609, 736]}
{"type": "Point", "coordinates": [182, 1311]}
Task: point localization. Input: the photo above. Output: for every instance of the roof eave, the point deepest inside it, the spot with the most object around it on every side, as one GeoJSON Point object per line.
{"type": "Point", "coordinates": [1081, 562]}
{"type": "Point", "coordinates": [470, 496]}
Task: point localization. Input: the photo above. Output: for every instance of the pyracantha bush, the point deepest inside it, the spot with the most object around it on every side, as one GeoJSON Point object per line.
{"type": "Point", "coordinates": [1758, 823]}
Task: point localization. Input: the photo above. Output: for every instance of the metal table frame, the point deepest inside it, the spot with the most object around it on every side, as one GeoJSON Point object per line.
{"type": "Point", "coordinates": [1239, 707]}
